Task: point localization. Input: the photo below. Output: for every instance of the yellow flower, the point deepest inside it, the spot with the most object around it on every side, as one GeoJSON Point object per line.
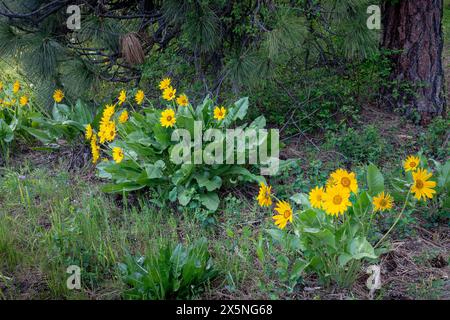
{"type": "Point", "coordinates": [422, 188]}
{"type": "Point", "coordinates": [285, 214]}
{"type": "Point", "coordinates": [88, 132]}
{"type": "Point", "coordinates": [219, 113]}
{"type": "Point", "coordinates": [58, 95]}
{"type": "Point", "coordinates": [264, 196]}
{"type": "Point", "coordinates": [122, 97]}
{"type": "Point", "coordinates": [108, 112]}
{"type": "Point", "coordinates": [164, 84]}
{"type": "Point", "coordinates": [336, 200]}
{"type": "Point", "coordinates": [316, 197]}
{"type": "Point", "coordinates": [95, 149]}
{"type": "Point", "coordinates": [16, 86]}
{"type": "Point", "coordinates": [107, 132]}
{"type": "Point", "coordinates": [139, 97]}
{"type": "Point", "coordinates": [117, 154]}
{"type": "Point", "coordinates": [411, 163]}
{"type": "Point", "coordinates": [1, 86]}
{"type": "Point", "coordinates": [23, 101]}
{"type": "Point", "coordinates": [169, 94]}
{"type": "Point", "coordinates": [168, 118]}
{"type": "Point", "coordinates": [382, 202]}
{"type": "Point", "coordinates": [345, 179]}
{"type": "Point", "coordinates": [123, 116]}
{"type": "Point", "coordinates": [182, 100]}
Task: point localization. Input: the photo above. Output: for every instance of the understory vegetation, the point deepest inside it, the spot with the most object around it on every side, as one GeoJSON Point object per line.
{"type": "Point", "coordinates": [88, 179]}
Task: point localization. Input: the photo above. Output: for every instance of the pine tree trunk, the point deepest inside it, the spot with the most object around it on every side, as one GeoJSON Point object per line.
{"type": "Point", "coordinates": [414, 27]}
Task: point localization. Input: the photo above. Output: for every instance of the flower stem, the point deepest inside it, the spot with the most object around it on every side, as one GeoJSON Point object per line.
{"type": "Point", "coordinates": [396, 220]}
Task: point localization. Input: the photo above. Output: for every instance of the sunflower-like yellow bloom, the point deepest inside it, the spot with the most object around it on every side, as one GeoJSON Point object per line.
{"type": "Point", "coordinates": [16, 86]}
{"type": "Point", "coordinates": [422, 187]}
{"type": "Point", "coordinates": [265, 195]}
{"type": "Point", "coordinates": [107, 132]}
{"type": "Point", "coordinates": [168, 118]}
{"type": "Point", "coordinates": [411, 163]}
{"type": "Point", "coordinates": [1, 86]}
{"type": "Point", "coordinates": [88, 132]}
{"type": "Point", "coordinates": [117, 154]}
{"type": "Point", "coordinates": [58, 95]}
{"type": "Point", "coordinates": [169, 94]}
{"type": "Point", "coordinates": [123, 116]}
{"type": "Point", "coordinates": [345, 179]}
{"type": "Point", "coordinates": [183, 100]}
{"type": "Point", "coordinates": [219, 113]}
{"type": "Point", "coordinates": [284, 214]}
{"type": "Point", "coordinates": [316, 197]}
{"type": "Point", "coordinates": [95, 149]}
{"type": "Point", "coordinates": [139, 97]}
{"type": "Point", "coordinates": [383, 202]}
{"type": "Point", "coordinates": [122, 97]}
{"type": "Point", "coordinates": [23, 101]}
{"type": "Point", "coordinates": [108, 112]}
{"type": "Point", "coordinates": [164, 84]}
{"type": "Point", "coordinates": [336, 200]}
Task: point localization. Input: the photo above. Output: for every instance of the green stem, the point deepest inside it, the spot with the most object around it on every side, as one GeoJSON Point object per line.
{"type": "Point", "coordinates": [396, 220]}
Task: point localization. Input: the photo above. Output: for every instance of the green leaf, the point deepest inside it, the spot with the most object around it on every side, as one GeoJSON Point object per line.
{"type": "Point", "coordinates": [6, 133]}
{"type": "Point", "coordinates": [361, 248]}
{"type": "Point", "coordinates": [210, 200]}
{"type": "Point", "coordinates": [375, 180]}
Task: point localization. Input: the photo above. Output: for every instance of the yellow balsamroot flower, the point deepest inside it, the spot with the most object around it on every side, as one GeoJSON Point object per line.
{"type": "Point", "coordinates": [169, 94]}
{"type": "Point", "coordinates": [411, 163]}
{"type": "Point", "coordinates": [123, 116]}
{"type": "Point", "coordinates": [168, 118]}
{"type": "Point", "coordinates": [345, 179]}
{"type": "Point", "coordinates": [165, 83]}
{"type": "Point", "coordinates": [122, 97]}
{"type": "Point", "coordinates": [58, 95]}
{"type": "Point", "coordinates": [108, 112]}
{"type": "Point", "coordinates": [264, 196]}
{"type": "Point", "coordinates": [182, 100]}
{"type": "Point", "coordinates": [95, 149]}
{"type": "Point", "coordinates": [285, 214]}
{"type": "Point", "coordinates": [16, 86]}
{"type": "Point", "coordinates": [422, 188]}
{"type": "Point", "coordinates": [23, 101]}
{"type": "Point", "coordinates": [336, 200]}
{"type": "Point", "coordinates": [107, 132]}
{"type": "Point", "coordinates": [383, 202]}
{"type": "Point", "coordinates": [1, 86]}
{"type": "Point", "coordinates": [88, 132]}
{"type": "Point", "coordinates": [117, 154]}
{"type": "Point", "coordinates": [139, 97]}
{"type": "Point", "coordinates": [219, 113]}
{"type": "Point", "coordinates": [316, 197]}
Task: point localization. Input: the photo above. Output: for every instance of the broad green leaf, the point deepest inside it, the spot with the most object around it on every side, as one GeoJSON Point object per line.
{"type": "Point", "coordinates": [210, 200]}
{"type": "Point", "coordinates": [375, 180]}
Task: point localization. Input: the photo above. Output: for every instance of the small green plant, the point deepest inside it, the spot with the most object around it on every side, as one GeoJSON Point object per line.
{"type": "Point", "coordinates": [359, 145]}
{"type": "Point", "coordinates": [435, 141]}
{"type": "Point", "coordinates": [66, 122]}
{"type": "Point", "coordinates": [171, 273]}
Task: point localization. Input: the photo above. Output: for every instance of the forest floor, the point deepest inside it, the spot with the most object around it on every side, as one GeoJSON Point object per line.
{"type": "Point", "coordinates": [54, 215]}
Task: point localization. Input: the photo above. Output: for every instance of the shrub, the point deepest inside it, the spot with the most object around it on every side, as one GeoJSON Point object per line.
{"type": "Point", "coordinates": [172, 273]}
{"type": "Point", "coordinates": [142, 147]}
{"type": "Point", "coordinates": [335, 228]}
{"type": "Point", "coordinates": [359, 145]}
{"type": "Point", "coordinates": [15, 109]}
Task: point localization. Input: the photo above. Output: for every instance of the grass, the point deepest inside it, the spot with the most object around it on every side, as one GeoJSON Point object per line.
{"type": "Point", "coordinates": [51, 218]}
{"type": "Point", "coordinates": [446, 21]}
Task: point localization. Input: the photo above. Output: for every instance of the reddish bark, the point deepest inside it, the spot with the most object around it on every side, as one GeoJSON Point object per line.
{"type": "Point", "coordinates": [415, 28]}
